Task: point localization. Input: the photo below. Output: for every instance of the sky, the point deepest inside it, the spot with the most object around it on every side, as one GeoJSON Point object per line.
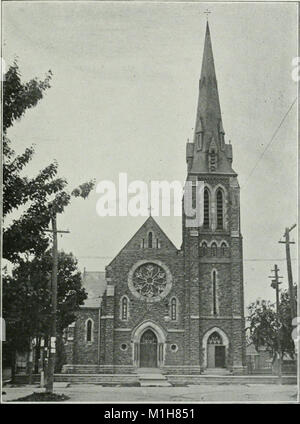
{"type": "Point", "coordinates": [123, 99]}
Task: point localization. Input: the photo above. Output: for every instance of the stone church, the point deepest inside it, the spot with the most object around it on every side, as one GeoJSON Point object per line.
{"type": "Point", "coordinates": [157, 306]}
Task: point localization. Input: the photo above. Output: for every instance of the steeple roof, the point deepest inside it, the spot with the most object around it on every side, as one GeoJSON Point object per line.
{"type": "Point", "coordinates": [209, 131]}
{"type": "Point", "coordinates": [209, 109]}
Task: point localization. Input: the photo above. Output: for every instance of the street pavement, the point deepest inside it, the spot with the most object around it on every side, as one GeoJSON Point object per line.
{"type": "Point", "coordinates": [195, 393]}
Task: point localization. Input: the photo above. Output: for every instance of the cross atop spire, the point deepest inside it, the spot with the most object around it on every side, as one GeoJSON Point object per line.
{"type": "Point", "coordinates": [207, 13]}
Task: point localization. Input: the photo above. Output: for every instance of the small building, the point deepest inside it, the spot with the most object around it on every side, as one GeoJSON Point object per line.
{"type": "Point", "coordinates": [258, 361]}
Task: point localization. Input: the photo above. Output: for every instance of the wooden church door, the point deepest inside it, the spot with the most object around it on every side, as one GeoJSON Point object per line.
{"type": "Point", "coordinates": [220, 356]}
{"type": "Point", "coordinates": [210, 356]}
{"type": "Point", "coordinates": [148, 350]}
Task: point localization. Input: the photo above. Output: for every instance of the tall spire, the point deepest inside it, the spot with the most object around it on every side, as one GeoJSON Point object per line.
{"type": "Point", "coordinates": [209, 110]}
{"type": "Point", "coordinates": [209, 153]}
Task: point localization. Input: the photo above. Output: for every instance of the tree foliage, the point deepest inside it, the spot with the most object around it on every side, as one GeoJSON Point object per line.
{"type": "Point", "coordinates": [42, 195]}
{"type": "Point", "coordinates": [18, 96]}
{"type": "Point", "coordinates": [27, 297]}
{"type": "Point", "coordinates": [265, 326]}
{"type": "Point", "coordinates": [26, 294]}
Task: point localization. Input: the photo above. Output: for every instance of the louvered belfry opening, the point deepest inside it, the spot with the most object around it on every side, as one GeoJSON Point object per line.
{"type": "Point", "coordinates": [206, 209]}
{"type": "Point", "coordinates": [219, 210]}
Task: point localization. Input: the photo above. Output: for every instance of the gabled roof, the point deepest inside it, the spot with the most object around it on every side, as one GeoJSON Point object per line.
{"type": "Point", "coordinates": [135, 242]}
{"type": "Point", "coordinates": [95, 284]}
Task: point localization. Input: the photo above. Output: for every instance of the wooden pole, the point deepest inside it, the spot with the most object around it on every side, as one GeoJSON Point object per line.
{"type": "Point", "coordinates": [275, 285]}
{"type": "Point", "coordinates": [289, 272]}
{"type": "Point", "coordinates": [278, 325]}
{"type": "Point", "coordinates": [42, 347]}
{"type": "Point", "coordinates": [52, 347]}
{"type": "Point", "coordinates": [52, 338]}
{"type": "Point", "coordinates": [287, 243]}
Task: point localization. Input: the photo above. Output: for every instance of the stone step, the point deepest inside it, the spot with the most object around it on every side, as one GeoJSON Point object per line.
{"type": "Point", "coordinates": [229, 379]}
{"type": "Point", "coordinates": [148, 371]}
{"type": "Point", "coordinates": [173, 380]}
{"type": "Point", "coordinates": [111, 379]}
{"type": "Point", "coordinates": [96, 369]}
{"type": "Point", "coordinates": [152, 376]}
{"type": "Point", "coordinates": [155, 383]}
{"type": "Point", "coordinates": [216, 371]}
{"type": "Point", "coordinates": [153, 379]}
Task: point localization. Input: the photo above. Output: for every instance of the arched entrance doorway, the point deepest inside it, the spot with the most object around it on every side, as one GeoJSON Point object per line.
{"type": "Point", "coordinates": [215, 351]}
{"type": "Point", "coordinates": [215, 345]}
{"type": "Point", "coordinates": [149, 341]}
{"type": "Point", "coordinates": [148, 350]}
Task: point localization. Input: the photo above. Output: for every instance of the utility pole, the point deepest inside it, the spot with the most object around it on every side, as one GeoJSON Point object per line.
{"type": "Point", "coordinates": [42, 360]}
{"type": "Point", "coordinates": [275, 285]}
{"type": "Point", "coordinates": [287, 243]}
{"type": "Point", "coordinates": [52, 344]}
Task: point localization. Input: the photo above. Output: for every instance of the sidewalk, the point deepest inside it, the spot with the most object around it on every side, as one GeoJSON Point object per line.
{"type": "Point", "coordinates": [194, 393]}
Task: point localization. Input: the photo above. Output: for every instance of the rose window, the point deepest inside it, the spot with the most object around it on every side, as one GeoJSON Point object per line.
{"type": "Point", "coordinates": [150, 280]}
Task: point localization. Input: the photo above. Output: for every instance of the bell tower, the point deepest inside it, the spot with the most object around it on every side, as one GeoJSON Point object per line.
{"type": "Point", "coordinates": [213, 260]}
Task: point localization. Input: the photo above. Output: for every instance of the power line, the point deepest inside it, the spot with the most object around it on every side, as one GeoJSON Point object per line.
{"type": "Point", "coordinates": [272, 138]}
{"type": "Point", "coordinates": [267, 260]}
{"type": "Point", "coordinates": [245, 260]}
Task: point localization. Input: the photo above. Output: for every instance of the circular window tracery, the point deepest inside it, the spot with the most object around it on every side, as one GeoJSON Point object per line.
{"type": "Point", "coordinates": [150, 280]}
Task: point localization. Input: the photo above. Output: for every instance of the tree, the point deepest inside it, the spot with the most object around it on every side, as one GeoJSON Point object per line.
{"type": "Point", "coordinates": [264, 326]}
{"type": "Point", "coordinates": [18, 96]}
{"type": "Point", "coordinates": [26, 298]}
{"type": "Point", "coordinates": [26, 235]}
{"type": "Point", "coordinates": [40, 198]}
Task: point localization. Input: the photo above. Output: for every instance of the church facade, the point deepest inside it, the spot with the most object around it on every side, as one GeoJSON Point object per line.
{"type": "Point", "coordinates": [179, 310]}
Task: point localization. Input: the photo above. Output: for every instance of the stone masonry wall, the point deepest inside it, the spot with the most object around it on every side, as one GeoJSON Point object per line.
{"type": "Point", "coordinates": [140, 310]}
{"type": "Point", "coordinates": [229, 281]}
{"type": "Point", "coordinates": [86, 352]}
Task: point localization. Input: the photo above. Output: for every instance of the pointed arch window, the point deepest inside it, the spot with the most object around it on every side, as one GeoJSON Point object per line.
{"type": "Point", "coordinates": [214, 249]}
{"type": "Point", "coordinates": [204, 248]}
{"type": "Point", "coordinates": [150, 240]}
{"type": "Point", "coordinates": [206, 209]}
{"type": "Point", "coordinates": [214, 292]}
{"type": "Point", "coordinates": [220, 210]}
{"type": "Point", "coordinates": [89, 330]}
{"type": "Point", "coordinates": [224, 249]}
{"type": "Point", "coordinates": [124, 308]}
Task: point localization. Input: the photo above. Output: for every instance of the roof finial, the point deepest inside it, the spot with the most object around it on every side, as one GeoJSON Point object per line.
{"type": "Point", "coordinates": [150, 209]}
{"type": "Point", "coordinates": [207, 13]}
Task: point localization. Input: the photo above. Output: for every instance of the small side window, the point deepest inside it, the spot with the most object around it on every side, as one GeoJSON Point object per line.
{"type": "Point", "coordinates": [150, 240]}
{"type": "Point", "coordinates": [89, 330]}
